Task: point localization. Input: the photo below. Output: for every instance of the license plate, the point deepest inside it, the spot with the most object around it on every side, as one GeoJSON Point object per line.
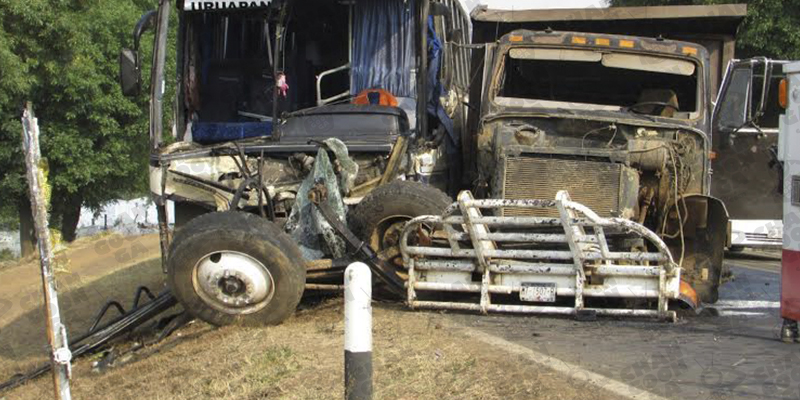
{"type": "Point", "coordinates": [538, 292]}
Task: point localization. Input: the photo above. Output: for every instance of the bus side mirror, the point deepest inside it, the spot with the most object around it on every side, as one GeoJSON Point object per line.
{"type": "Point", "coordinates": [130, 70]}
{"type": "Point", "coordinates": [130, 76]}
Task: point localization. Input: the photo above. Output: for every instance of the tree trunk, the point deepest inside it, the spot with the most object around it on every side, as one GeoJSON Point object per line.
{"type": "Point", "coordinates": [71, 215]}
{"type": "Point", "coordinates": [27, 236]}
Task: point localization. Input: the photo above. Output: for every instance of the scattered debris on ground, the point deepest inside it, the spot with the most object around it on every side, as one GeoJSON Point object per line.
{"type": "Point", "coordinates": [416, 357]}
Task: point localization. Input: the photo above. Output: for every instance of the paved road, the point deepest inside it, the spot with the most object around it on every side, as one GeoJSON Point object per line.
{"type": "Point", "coordinates": [731, 352]}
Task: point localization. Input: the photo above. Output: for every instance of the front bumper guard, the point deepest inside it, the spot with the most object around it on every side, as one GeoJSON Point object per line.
{"type": "Point", "coordinates": [493, 256]}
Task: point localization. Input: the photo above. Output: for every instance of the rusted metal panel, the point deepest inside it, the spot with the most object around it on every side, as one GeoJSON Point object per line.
{"type": "Point", "coordinates": [596, 184]}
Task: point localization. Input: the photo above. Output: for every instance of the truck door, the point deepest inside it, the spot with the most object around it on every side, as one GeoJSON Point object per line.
{"type": "Point", "coordinates": [481, 66]}
{"type": "Point", "coordinates": [744, 140]}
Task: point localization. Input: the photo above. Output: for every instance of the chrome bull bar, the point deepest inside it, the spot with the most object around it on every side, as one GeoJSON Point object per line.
{"type": "Point", "coordinates": [493, 257]}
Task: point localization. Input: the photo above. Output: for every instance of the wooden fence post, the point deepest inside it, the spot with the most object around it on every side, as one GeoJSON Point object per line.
{"type": "Point", "coordinates": [56, 331]}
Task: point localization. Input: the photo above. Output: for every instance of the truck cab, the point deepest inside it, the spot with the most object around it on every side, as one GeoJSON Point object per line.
{"type": "Point", "coordinates": [622, 123]}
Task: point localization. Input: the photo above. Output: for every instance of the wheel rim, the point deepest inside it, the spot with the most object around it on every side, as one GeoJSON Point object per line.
{"type": "Point", "coordinates": [385, 238]}
{"type": "Point", "coordinates": [233, 282]}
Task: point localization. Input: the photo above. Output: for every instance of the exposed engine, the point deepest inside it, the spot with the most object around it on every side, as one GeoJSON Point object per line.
{"type": "Point", "coordinates": [628, 171]}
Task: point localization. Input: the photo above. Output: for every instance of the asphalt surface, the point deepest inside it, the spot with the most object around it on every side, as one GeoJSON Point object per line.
{"type": "Point", "coordinates": [732, 351]}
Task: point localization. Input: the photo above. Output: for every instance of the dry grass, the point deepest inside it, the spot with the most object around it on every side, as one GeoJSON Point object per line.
{"type": "Point", "coordinates": [94, 276]}
{"type": "Point", "coordinates": [415, 357]}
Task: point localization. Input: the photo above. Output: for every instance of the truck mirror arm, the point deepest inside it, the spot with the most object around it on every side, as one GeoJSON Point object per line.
{"type": "Point", "coordinates": [144, 24]}
{"type": "Point", "coordinates": [130, 66]}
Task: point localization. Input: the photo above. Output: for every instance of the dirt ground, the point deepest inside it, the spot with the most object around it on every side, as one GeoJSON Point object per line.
{"type": "Point", "coordinates": [415, 356]}
{"type": "Point", "coordinates": [89, 273]}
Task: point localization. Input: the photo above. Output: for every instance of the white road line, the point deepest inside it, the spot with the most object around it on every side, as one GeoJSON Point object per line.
{"type": "Point", "coordinates": [745, 304]}
{"type": "Point", "coordinates": [728, 313]}
{"type": "Point", "coordinates": [572, 371]}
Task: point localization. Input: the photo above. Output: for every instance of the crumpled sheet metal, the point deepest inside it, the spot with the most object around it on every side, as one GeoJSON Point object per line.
{"type": "Point", "coordinates": [349, 168]}
{"type": "Point", "coordinates": [316, 238]}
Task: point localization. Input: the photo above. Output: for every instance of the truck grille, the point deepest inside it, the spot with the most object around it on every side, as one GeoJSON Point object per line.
{"type": "Point", "coordinates": [595, 184]}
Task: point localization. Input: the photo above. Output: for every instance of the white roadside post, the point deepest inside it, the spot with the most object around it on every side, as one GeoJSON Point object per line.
{"type": "Point", "coordinates": [56, 332]}
{"type": "Point", "coordinates": [358, 332]}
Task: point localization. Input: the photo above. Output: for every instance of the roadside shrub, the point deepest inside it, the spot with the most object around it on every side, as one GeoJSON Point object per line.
{"type": "Point", "coordinates": [6, 255]}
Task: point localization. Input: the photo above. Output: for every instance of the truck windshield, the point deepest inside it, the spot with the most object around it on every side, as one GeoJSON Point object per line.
{"type": "Point", "coordinates": [588, 80]}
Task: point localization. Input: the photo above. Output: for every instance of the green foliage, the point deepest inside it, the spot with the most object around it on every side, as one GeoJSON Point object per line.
{"type": "Point", "coordinates": [14, 83]}
{"type": "Point", "coordinates": [770, 28]}
{"type": "Point", "coordinates": [6, 255]}
{"type": "Point", "coordinates": [63, 56]}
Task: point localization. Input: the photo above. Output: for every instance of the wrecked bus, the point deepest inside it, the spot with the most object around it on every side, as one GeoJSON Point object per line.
{"type": "Point", "coordinates": [361, 95]}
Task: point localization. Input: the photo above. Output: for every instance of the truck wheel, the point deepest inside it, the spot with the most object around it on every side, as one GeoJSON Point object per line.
{"type": "Point", "coordinates": [380, 217]}
{"type": "Point", "coordinates": [231, 268]}
{"type": "Point", "coordinates": [185, 212]}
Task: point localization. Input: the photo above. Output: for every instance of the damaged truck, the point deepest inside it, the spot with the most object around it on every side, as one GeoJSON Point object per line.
{"type": "Point", "coordinates": [621, 124]}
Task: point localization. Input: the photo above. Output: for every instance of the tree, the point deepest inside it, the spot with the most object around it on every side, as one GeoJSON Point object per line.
{"type": "Point", "coordinates": [15, 81]}
{"type": "Point", "coordinates": [63, 57]}
{"type": "Point", "coordinates": [770, 28]}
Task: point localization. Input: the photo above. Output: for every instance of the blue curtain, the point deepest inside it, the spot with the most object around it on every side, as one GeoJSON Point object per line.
{"type": "Point", "coordinates": [383, 46]}
{"type": "Point", "coordinates": [436, 89]}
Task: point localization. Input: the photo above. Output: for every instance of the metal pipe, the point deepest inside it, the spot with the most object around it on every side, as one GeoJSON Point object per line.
{"type": "Point", "coordinates": [157, 89]}
{"type": "Point", "coordinates": [500, 266]}
{"type": "Point", "coordinates": [320, 100]}
{"type": "Point", "coordinates": [531, 254]}
{"type": "Point", "coordinates": [504, 221]}
{"type": "Point", "coordinates": [157, 82]}
{"type": "Point", "coordinates": [670, 315]}
{"type": "Point", "coordinates": [629, 292]}
{"type": "Point", "coordinates": [422, 71]}
{"type": "Point", "coordinates": [319, 286]}
{"type": "Point", "coordinates": [518, 237]}
{"type": "Point", "coordinates": [277, 66]}
{"type": "Point", "coordinates": [628, 270]}
{"type": "Point", "coordinates": [269, 46]}
{"type": "Point", "coordinates": [500, 203]}
{"type": "Point", "coordinates": [511, 267]}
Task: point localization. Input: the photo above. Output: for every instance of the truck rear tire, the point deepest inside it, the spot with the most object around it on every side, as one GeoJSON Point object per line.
{"type": "Point", "coordinates": [380, 217]}
{"type": "Point", "coordinates": [234, 268]}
